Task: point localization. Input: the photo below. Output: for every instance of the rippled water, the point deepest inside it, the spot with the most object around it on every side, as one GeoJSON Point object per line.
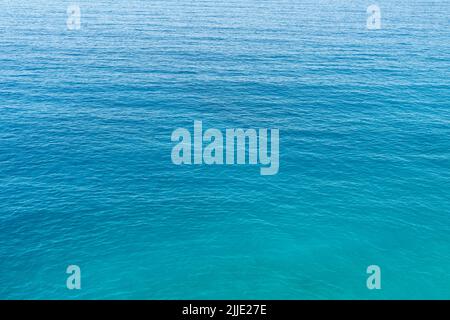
{"type": "Point", "coordinates": [86, 175]}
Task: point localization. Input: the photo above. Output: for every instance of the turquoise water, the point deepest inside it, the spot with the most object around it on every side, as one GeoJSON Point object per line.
{"type": "Point", "coordinates": [86, 175]}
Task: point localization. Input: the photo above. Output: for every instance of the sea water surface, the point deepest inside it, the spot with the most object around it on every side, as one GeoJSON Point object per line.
{"type": "Point", "coordinates": [86, 176]}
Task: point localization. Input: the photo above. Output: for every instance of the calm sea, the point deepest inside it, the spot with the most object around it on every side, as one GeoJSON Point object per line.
{"type": "Point", "coordinates": [86, 176]}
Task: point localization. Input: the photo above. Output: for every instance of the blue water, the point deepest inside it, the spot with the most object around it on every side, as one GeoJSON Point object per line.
{"type": "Point", "coordinates": [85, 170]}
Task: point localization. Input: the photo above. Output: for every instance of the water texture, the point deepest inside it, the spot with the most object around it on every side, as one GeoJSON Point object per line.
{"type": "Point", "coordinates": [86, 176]}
